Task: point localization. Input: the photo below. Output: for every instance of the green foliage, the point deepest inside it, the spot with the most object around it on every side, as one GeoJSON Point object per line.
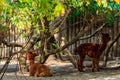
{"type": "Point", "coordinates": [3, 28]}
{"type": "Point", "coordinates": [109, 9]}
{"type": "Point", "coordinates": [37, 44]}
{"type": "Point", "coordinates": [56, 45]}
{"type": "Point", "coordinates": [26, 14]}
{"type": "Point", "coordinates": [59, 9]}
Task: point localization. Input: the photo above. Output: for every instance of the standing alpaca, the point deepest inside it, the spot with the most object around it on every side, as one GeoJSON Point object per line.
{"type": "Point", "coordinates": [93, 50]}
{"type": "Point", "coordinates": [36, 69]}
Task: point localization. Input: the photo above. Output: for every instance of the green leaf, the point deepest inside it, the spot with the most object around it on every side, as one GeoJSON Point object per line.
{"type": "Point", "coordinates": [3, 27]}
{"type": "Point", "coordinates": [22, 1]}
{"type": "Point", "coordinates": [59, 9]}
{"type": "Point", "coordinates": [37, 44]}
{"type": "Point", "coordinates": [117, 1]}
{"type": "Point", "coordinates": [42, 30]}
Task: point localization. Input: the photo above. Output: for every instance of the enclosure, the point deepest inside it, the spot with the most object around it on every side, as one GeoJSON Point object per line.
{"type": "Point", "coordinates": [50, 30]}
{"type": "Point", "coordinates": [68, 31]}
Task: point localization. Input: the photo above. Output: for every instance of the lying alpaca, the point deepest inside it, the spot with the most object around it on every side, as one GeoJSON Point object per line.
{"type": "Point", "coordinates": [93, 50]}
{"type": "Point", "coordinates": [36, 69]}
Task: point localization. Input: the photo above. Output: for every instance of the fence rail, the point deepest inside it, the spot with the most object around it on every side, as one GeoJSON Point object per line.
{"type": "Point", "coordinates": [69, 31]}
{"type": "Point", "coordinates": [73, 29]}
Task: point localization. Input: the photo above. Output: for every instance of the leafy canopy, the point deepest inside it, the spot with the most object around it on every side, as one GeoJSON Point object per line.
{"type": "Point", "coordinates": [25, 14]}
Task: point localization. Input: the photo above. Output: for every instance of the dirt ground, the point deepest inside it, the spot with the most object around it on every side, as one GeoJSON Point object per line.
{"type": "Point", "coordinates": [65, 71]}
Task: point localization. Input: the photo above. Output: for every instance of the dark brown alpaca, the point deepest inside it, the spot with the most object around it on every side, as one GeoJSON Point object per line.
{"type": "Point", "coordinates": [36, 69]}
{"type": "Point", "coordinates": [93, 50]}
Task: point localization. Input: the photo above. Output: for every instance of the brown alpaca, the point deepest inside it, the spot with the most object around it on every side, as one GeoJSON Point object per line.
{"type": "Point", "coordinates": [36, 69]}
{"type": "Point", "coordinates": [93, 50]}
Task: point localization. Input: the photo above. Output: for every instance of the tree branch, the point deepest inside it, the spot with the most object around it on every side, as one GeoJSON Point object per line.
{"type": "Point", "coordinates": [56, 24]}
{"type": "Point", "coordinates": [76, 39]}
{"type": "Point", "coordinates": [4, 68]}
{"type": "Point", "coordinates": [108, 49]}
{"type": "Point", "coordinates": [10, 44]}
{"type": "Point", "coordinates": [89, 36]}
{"type": "Point", "coordinates": [31, 42]}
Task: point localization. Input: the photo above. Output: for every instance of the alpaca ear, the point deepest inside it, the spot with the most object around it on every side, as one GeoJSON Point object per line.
{"type": "Point", "coordinates": [103, 33]}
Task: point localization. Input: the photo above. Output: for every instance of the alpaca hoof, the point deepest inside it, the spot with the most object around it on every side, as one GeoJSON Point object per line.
{"type": "Point", "coordinates": [93, 70]}
{"type": "Point", "coordinates": [81, 70]}
{"type": "Point", "coordinates": [98, 70]}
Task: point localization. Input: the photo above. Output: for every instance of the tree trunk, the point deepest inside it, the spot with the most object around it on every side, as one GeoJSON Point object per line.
{"type": "Point", "coordinates": [28, 46]}
{"type": "Point", "coordinates": [67, 52]}
{"type": "Point", "coordinates": [71, 58]}
{"type": "Point", "coordinates": [108, 49]}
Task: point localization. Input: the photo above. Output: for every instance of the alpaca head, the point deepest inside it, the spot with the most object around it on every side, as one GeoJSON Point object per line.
{"type": "Point", "coordinates": [105, 37]}
{"type": "Point", "coordinates": [30, 57]}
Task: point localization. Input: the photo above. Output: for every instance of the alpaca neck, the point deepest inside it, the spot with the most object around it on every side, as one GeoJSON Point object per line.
{"type": "Point", "coordinates": [31, 62]}
{"type": "Point", "coordinates": [103, 46]}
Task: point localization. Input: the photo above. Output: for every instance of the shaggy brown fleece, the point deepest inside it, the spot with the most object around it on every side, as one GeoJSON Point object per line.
{"type": "Point", "coordinates": [93, 50]}
{"type": "Point", "coordinates": [36, 69]}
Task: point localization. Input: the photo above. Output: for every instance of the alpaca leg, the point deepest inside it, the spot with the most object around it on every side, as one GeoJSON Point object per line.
{"type": "Point", "coordinates": [93, 65]}
{"type": "Point", "coordinates": [31, 72]}
{"type": "Point", "coordinates": [97, 64]}
{"type": "Point", "coordinates": [36, 73]}
{"type": "Point", "coordinates": [80, 64]}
